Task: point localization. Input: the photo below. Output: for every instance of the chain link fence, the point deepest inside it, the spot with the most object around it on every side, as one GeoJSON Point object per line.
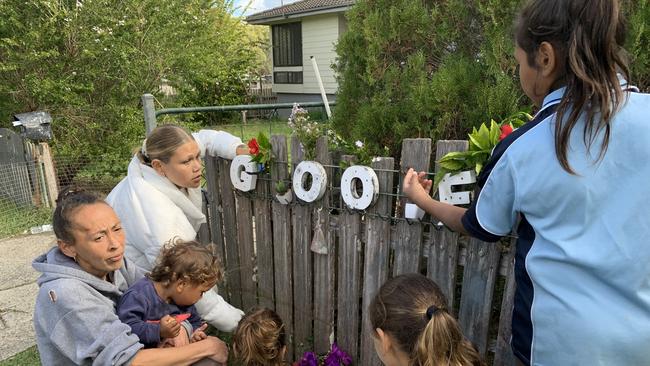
{"type": "Point", "coordinates": [28, 191]}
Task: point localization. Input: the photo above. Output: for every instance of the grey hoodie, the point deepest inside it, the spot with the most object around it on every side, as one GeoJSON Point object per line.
{"type": "Point", "coordinates": [75, 317]}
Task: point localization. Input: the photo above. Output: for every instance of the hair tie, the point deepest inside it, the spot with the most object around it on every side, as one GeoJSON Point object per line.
{"type": "Point", "coordinates": [143, 149]}
{"type": "Point", "coordinates": [431, 311]}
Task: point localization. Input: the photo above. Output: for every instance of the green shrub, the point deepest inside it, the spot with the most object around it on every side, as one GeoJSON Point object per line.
{"type": "Point", "coordinates": [439, 68]}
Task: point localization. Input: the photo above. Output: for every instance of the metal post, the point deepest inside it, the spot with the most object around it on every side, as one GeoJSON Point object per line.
{"type": "Point", "coordinates": [149, 113]}
{"type": "Point", "coordinates": [322, 88]}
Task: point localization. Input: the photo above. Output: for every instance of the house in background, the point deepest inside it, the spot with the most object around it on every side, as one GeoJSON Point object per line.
{"type": "Point", "coordinates": [298, 31]}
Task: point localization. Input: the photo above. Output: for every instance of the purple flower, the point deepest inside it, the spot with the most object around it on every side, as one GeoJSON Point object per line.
{"type": "Point", "coordinates": [337, 356]}
{"type": "Point", "coordinates": [308, 359]}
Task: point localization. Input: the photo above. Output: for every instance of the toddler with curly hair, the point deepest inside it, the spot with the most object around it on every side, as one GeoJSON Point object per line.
{"type": "Point", "coordinates": [159, 306]}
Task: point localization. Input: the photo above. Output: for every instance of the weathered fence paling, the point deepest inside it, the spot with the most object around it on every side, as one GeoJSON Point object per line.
{"type": "Point", "coordinates": [443, 243]}
{"type": "Point", "coordinates": [322, 297]}
{"type": "Point", "coordinates": [302, 264]}
{"type": "Point", "coordinates": [376, 264]}
{"type": "Point", "coordinates": [264, 247]}
{"type": "Point", "coordinates": [349, 283]}
{"type": "Point", "coordinates": [324, 264]}
{"type": "Point", "coordinates": [416, 154]}
{"type": "Point", "coordinates": [229, 211]}
{"type": "Point", "coordinates": [282, 248]}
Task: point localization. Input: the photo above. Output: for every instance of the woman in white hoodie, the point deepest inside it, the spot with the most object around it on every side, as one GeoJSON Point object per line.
{"type": "Point", "coordinates": [161, 199]}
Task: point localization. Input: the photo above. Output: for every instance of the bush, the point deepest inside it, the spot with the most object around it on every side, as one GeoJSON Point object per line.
{"type": "Point", "coordinates": [439, 68]}
{"type": "Point", "coordinates": [89, 62]}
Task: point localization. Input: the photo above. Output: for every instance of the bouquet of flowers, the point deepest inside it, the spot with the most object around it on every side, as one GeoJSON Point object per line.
{"type": "Point", "coordinates": [260, 150]}
{"type": "Point", "coordinates": [306, 130]}
{"type": "Point", "coordinates": [481, 144]}
{"type": "Point", "coordinates": [335, 357]}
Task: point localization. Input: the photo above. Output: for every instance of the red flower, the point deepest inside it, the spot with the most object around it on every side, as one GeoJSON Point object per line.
{"type": "Point", "coordinates": [505, 131]}
{"type": "Point", "coordinates": [253, 146]}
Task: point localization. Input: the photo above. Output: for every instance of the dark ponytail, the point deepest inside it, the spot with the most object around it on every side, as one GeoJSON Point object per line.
{"type": "Point", "coordinates": [588, 37]}
{"type": "Point", "coordinates": [69, 199]}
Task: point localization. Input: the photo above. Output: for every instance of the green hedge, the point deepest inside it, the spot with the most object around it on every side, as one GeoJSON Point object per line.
{"type": "Point", "coordinates": [437, 68]}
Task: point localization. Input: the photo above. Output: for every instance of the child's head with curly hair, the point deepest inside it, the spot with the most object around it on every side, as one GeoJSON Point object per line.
{"type": "Point", "coordinates": [188, 268]}
{"type": "Point", "coordinates": [259, 339]}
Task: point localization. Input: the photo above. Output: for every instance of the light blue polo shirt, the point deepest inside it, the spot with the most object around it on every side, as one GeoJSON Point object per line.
{"type": "Point", "coordinates": [583, 254]}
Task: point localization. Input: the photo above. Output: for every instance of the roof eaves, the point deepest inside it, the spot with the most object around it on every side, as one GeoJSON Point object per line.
{"type": "Point", "coordinates": [260, 19]}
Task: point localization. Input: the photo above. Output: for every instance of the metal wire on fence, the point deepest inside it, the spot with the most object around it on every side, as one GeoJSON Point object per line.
{"type": "Point", "coordinates": [29, 188]}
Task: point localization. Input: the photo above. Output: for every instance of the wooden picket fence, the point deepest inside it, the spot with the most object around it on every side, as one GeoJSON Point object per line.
{"type": "Point", "coordinates": [265, 246]}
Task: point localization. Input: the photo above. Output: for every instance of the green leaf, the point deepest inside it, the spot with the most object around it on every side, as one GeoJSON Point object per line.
{"type": "Point", "coordinates": [263, 141]}
{"type": "Point", "coordinates": [452, 165]}
{"type": "Point", "coordinates": [495, 132]}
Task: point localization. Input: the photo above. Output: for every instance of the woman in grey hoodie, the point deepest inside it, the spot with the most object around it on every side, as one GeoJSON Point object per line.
{"type": "Point", "coordinates": [82, 279]}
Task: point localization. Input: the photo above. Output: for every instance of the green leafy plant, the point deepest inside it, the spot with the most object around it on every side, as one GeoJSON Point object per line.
{"type": "Point", "coordinates": [481, 143]}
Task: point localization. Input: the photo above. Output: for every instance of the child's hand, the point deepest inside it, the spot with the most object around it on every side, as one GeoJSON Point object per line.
{"type": "Point", "coordinates": [169, 327]}
{"type": "Point", "coordinates": [416, 186]}
{"type": "Point", "coordinates": [199, 333]}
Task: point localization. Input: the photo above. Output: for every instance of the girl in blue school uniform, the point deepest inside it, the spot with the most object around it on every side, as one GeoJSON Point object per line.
{"type": "Point", "coordinates": [578, 177]}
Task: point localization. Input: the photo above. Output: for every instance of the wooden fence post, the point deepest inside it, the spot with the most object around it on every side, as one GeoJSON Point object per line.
{"type": "Point", "coordinates": [302, 264]}
{"type": "Point", "coordinates": [264, 242]}
{"type": "Point", "coordinates": [324, 264]}
{"type": "Point", "coordinates": [230, 233]}
{"type": "Point", "coordinates": [349, 279]}
{"type": "Point", "coordinates": [214, 204]}
{"type": "Point", "coordinates": [246, 249]}
{"type": "Point", "coordinates": [443, 243]}
{"type": "Point", "coordinates": [377, 252]}
{"type": "Point", "coordinates": [416, 154]}
{"type": "Point", "coordinates": [282, 243]}
{"type": "Point", "coordinates": [503, 355]}
{"type": "Point", "coordinates": [50, 174]}
{"type": "Point", "coordinates": [481, 268]}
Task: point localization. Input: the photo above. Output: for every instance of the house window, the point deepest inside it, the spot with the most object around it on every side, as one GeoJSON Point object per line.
{"type": "Point", "coordinates": [287, 77]}
{"type": "Point", "coordinates": [287, 44]}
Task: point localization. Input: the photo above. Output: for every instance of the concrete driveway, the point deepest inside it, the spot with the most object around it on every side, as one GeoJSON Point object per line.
{"type": "Point", "coordinates": [18, 290]}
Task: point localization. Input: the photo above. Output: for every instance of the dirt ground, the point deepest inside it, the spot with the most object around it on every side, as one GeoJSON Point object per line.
{"type": "Point", "coordinates": [18, 290]}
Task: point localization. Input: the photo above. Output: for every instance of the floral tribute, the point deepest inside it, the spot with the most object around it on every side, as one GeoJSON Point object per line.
{"type": "Point", "coordinates": [260, 150]}
{"type": "Point", "coordinates": [335, 357]}
{"type": "Point", "coordinates": [306, 130]}
{"type": "Point", "coordinates": [481, 144]}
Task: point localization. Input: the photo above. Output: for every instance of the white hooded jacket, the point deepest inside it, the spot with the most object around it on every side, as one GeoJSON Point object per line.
{"type": "Point", "coordinates": [153, 211]}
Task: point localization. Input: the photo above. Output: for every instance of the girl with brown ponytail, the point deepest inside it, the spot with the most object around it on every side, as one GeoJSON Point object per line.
{"type": "Point", "coordinates": [412, 326]}
{"type": "Point", "coordinates": [576, 178]}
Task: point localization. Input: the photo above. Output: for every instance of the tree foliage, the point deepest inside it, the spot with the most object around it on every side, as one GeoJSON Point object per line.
{"type": "Point", "coordinates": [88, 62]}
{"type": "Point", "coordinates": [437, 68]}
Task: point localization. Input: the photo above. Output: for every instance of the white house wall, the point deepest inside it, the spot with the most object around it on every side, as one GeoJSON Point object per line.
{"type": "Point", "coordinates": [319, 34]}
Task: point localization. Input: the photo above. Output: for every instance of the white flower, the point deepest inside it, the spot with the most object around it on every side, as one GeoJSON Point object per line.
{"type": "Point", "coordinates": [358, 143]}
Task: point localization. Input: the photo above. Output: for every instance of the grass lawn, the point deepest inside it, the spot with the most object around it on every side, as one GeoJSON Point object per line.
{"type": "Point", "coordinates": [27, 357]}
{"type": "Point", "coordinates": [15, 220]}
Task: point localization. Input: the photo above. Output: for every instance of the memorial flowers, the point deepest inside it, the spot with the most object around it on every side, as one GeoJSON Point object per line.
{"type": "Point", "coordinates": [335, 357]}
{"type": "Point", "coordinates": [260, 150]}
{"type": "Point", "coordinates": [481, 143]}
